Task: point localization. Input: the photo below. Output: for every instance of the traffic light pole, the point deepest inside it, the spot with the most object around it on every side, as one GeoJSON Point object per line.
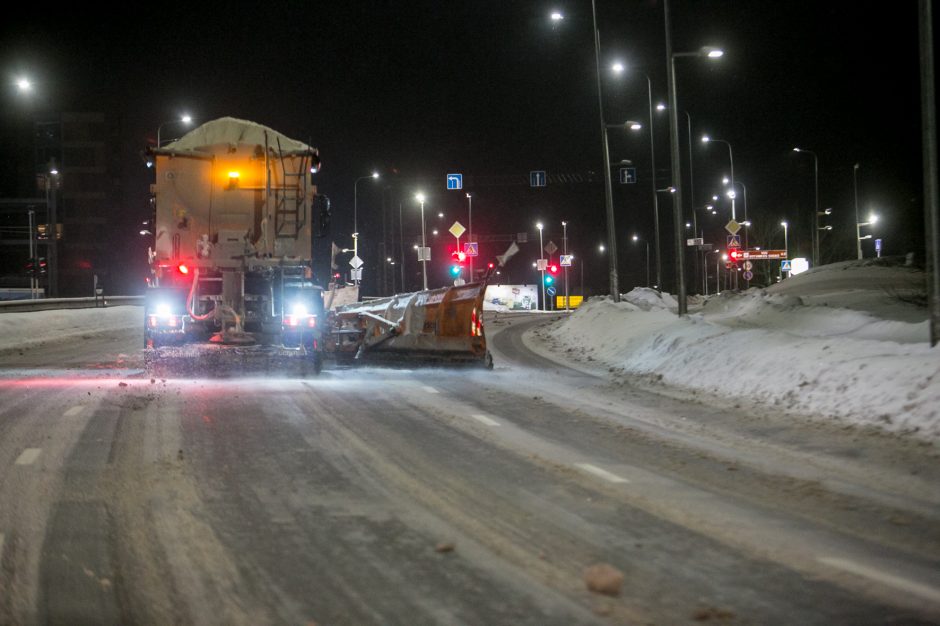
{"type": "Point", "coordinates": [564, 226]}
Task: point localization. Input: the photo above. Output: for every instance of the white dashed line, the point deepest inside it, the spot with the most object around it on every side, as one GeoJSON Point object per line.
{"type": "Point", "coordinates": [591, 469]}
{"type": "Point", "coordinates": [484, 419]}
{"type": "Point", "coordinates": [1, 546]}
{"type": "Point", "coordinates": [29, 455]}
{"type": "Point", "coordinates": [909, 586]}
{"type": "Point", "coordinates": [75, 410]}
{"type": "Point", "coordinates": [430, 389]}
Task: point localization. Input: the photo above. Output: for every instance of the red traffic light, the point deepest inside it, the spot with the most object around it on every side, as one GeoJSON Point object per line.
{"type": "Point", "coordinates": [458, 256]}
{"type": "Point", "coordinates": [734, 254]}
{"type": "Point", "coordinates": [553, 269]}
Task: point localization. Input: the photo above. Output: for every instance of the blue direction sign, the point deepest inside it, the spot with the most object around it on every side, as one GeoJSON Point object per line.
{"type": "Point", "coordinates": [627, 175]}
{"type": "Point", "coordinates": [471, 248]}
{"type": "Point", "coordinates": [734, 241]}
{"type": "Point", "coordinates": [537, 178]}
{"type": "Point", "coordinates": [550, 291]}
{"type": "Point", "coordinates": [785, 266]}
{"type": "Point", "coordinates": [455, 181]}
{"type": "Point", "coordinates": [877, 245]}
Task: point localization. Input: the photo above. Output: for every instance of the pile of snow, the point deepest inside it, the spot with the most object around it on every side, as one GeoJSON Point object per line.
{"type": "Point", "coordinates": [232, 131]}
{"type": "Point", "coordinates": [24, 329]}
{"type": "Point", "coordinates": [804, 354]}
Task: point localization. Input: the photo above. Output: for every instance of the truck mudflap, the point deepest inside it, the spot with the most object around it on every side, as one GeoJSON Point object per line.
{"type": "Point", "coordinates": [437, 326]}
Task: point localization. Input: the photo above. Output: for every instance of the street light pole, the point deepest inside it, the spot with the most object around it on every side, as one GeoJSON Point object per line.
{"type": "Point", "coordinates": [564, 227]}
{"type": "Point", "coordinates": [815, 238]}
{"type": "Point", "coordinates": [355, 234]}
{"type": "Point", "coordinates": [858, 241]}
{"type": "Point", "coordinates": [676, 166]}
{"type": "Point", "coordinates": [608, 190]}
{"type": "Point", "coordinates": [183, 120]}
{"type": "Point", "coordinates": [707, 139]}
{"type": "Point", "coordinates": [470, 229]}
{"type": "Point", "coordinates": [786, 246]}
{"type": "Point", "coordinates": [542, 265]}
{"type": "Point", "coordinates": [424, 261]}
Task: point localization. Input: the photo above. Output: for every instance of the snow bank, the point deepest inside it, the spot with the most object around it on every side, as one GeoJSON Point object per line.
{"type": "Point", "coordinates": [770, 348]}
{"type": "Point", "coordinates": [21, 330]}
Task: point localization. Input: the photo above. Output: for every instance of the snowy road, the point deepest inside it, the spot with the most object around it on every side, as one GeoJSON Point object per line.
{"type": "Point", "coordinates": [441, 497]}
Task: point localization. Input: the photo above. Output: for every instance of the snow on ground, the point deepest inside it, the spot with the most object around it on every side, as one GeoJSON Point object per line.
{"type": "Point", "coordinates": [19, 330]}
{"type": "Point", "coordinates": [840, 342]}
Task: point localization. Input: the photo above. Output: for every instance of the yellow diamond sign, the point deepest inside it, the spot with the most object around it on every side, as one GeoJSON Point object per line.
{"type": "Point", "coordinates": [457, 230]}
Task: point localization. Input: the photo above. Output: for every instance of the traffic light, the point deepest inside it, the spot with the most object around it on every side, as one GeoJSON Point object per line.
{"type": "Point", "coordinates": [553, 269]}
{"type": "Point", "coordinates": [734, 254]}
{"type": "Point", "coordinates": [549, 279]}
{"type": "Point", "coordinates": [42, 265]}
{"type": "Point", "coordinates": [458, 258]}
{"type": "Point", "coordinates": [31, 266]}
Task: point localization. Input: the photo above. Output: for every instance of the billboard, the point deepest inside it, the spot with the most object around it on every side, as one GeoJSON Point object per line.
{"type": "Point", "coordinates": [511, 298]}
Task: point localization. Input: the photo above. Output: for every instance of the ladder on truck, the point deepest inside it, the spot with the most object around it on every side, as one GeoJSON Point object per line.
{"type": "Point", "coordinates": [289, 210]}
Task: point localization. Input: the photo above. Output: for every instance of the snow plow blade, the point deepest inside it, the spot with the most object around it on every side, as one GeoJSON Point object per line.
{"type": "Point", "coordinates": [439, 326]}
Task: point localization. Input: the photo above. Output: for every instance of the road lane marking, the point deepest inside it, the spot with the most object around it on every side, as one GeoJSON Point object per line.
{"type": "Point", "coordinates": [909, 586]}
{"type": "Point", "coordinates": [592, 469]}
{"type": "Point", "coordinates": [484, 419]}
{"type": "Point", "coordinates": [75, 410]}
{"type": "Point", "coordinates": [28, 456]}
{"type": "Point", "coordinates": [1, 547]}
{"type": "Point", "coordinates": [430, 389]}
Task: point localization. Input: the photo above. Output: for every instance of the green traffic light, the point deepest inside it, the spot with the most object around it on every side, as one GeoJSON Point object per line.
{"type": "Point", "coordinates": [549, 280]}
{"type": "Point", "coordinates": [455, 270]}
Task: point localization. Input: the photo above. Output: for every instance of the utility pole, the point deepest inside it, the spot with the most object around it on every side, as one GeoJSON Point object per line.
{"type": "Point", "coordinates": [928, 106]}
{"type": "Point", "coordinates": [676, 169]}
{"type": "Point", "coordinates": [564, 227]}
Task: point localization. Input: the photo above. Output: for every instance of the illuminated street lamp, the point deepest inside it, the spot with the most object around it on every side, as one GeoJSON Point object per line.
{"type": "Point", "coordinates": [355, 234]}
{"type": "Point", "coordinates": [711, 53]}
{"type": "Point", "coordinates": [424, 246]}
{"type": "Point", "coordinates": [185, 120]}
{"type": "Point", "coordinates": [872, 219]}
{"type": "Point", "coordinates": [24, 85]}
{"type": "Point", "coordinates": [707, 139]}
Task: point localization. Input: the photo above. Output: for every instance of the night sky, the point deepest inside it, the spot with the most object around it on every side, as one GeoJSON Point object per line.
{"type": "Point", "coordinates": [493, 90]}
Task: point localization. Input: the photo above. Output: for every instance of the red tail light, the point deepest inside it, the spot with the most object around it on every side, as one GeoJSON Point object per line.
{"type": "Point", "coordinates": [183, 268]}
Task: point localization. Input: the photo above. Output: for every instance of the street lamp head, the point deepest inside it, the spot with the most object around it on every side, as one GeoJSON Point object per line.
{"type": "Point", "coordinates": [709, 207]}
{"type": "Point", "coordinates": [636, 238]}
{"type": "Point", "coordinates": [601, 247]}
{"type": "Point", "coordinates": [706, 138]}
{"type": "Point", "coordinates": [725, 181]}
{"type": "Point", "coordinates": [186, 119]}
{"type": "Point", "coordinates": [375, 174]}
{"type": "Point", "coordinates": [828, 211]}
{"type": "Point", "coordinates": [633, 125]}
{"type": "Point", "coordinates": [797, 150]}
{"type": "Point", "coordinates": [715, 198]}
{"type": "Point", "coordinates": [557, 16]}
{"type": "Point", "coordinates": [872, 218]}
{"type": "Point", "coordinates": [688, 225]}
{"type": "Point", "coordinates": [711, 52]}
{"type": "Point", "coordinates": [660, 107]}
{"type": "Point", "coordinates": [419, 197]}
{"type": "Point", "coordinates": [440, 214]}
{"type": "Point", "coordinates": [539, 225]}
{"type": "Point", "coordinates": [564, 223]}
{"type": "Point", "coordinates": [732, 195]}
{"type": "Point", "coordinates": [24, 85]}
{"type": "Point", "coordinates": [784, 224]}
{"type": "Point", "coordinates": [617, 68]}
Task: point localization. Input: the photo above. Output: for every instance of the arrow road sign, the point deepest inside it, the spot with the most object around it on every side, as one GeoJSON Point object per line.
{"type": "Point", "coordinates": [627, 175]}
{"type": "Point", "coordinates": [455, 181]}
{"type": "Point", "coordinates": [537, 178]}
{"type": "Point", "coordinates": [471, 248]}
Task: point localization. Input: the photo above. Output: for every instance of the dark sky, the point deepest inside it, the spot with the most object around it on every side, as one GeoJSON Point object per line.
{"type": "Point", "coordinates": [492, 90]}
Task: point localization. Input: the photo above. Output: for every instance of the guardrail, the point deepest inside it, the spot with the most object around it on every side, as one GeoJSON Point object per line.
{"type": "Point", "coordinates": [52, 304]}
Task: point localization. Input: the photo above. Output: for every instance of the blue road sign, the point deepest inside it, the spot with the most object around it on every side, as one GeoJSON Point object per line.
{"type": "Point", "coordinates": [537, 178]}
{"type": "Point", "coordinates": [627, 175]}
{"type": "Point", "coordinates": [455, 181]}
{"type": "Point", "coordinates": [471, 248]}
{"type": "Point", "coordinates": [748, 275]}
{"type": "Point", "coordinates": [877, 245]}
{"type": "Point", "coordinates": [785, 266]}
{"type": "Point", "coordinates": [550, 291]}
{"type": "Point", "coordinates": [734, 241]}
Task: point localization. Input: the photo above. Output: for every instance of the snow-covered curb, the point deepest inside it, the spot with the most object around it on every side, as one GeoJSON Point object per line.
{"type": "Point", "coordinates": [772, 350]}
{"type": "Point", "coordinates": [22, 330]}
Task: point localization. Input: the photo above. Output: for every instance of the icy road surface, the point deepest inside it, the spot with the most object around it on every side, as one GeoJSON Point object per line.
{"type": "Point", "coordinates": [430, 496]}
